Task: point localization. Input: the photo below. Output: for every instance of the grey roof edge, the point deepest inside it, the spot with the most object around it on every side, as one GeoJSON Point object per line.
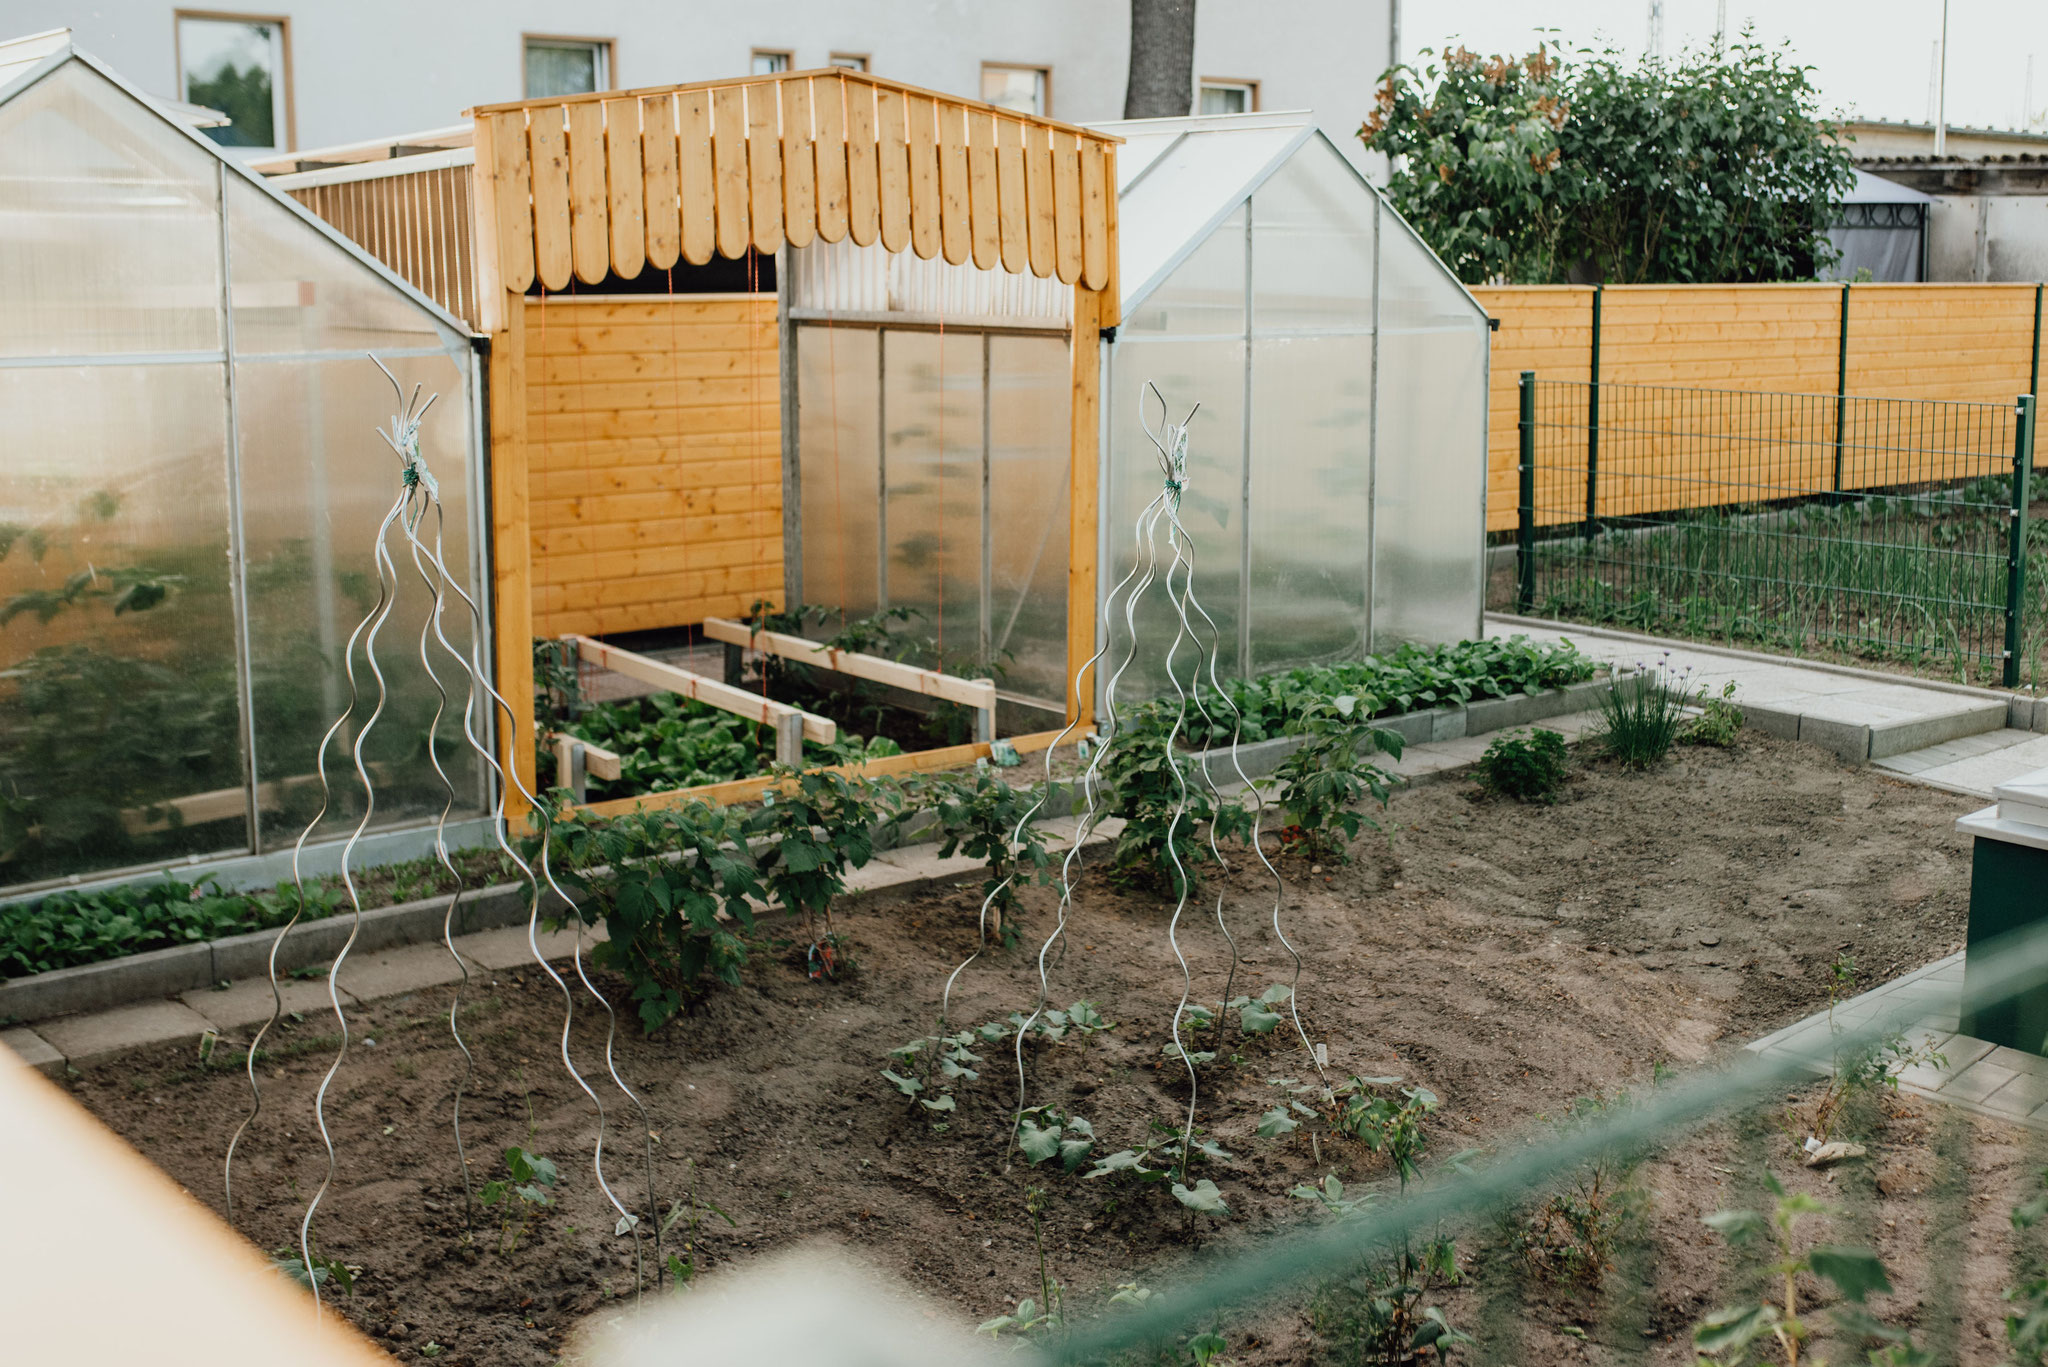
{"type": "Point", "coordinates": [71, 52]}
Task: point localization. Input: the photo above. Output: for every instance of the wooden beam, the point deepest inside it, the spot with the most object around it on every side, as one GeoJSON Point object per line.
{"type": "Point", "coordinates": [710, 692]}
{"type": "Point", "coordinates": [979, 694]}
{"type": "Point", "coordinates": [512, 552]}
{"type": "Point", "coordinates": [1081, 499]}
{"type": "Point", "coordinates": [747, 789]}
{"type": "Point", "coordinates": [597, 761]}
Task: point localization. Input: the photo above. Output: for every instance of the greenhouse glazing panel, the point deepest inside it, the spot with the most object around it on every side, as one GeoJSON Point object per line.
{"type": "Point", "coordinates": [1311, 484]}
{"type": "Point", "coordinates": [1030, 413]}
{"type": "Point", "coordinates": [120, 730]}
{"type": "Point", "coordinates": [316, 482]}
{"type": "Point", "coordinates": [1212, 508]}
{"type": "Point", "coordinates": [108, 216]}
{"type": "Point", "coordinates": [839, 413]}
{"type": "Point", "coordinates": [295, 291]}
{"type": "Point", "coordinates": [1312, 247]}
{"type": "Point", "coordinates": [1204, 295]}
{"type": "Point", "coordinates": [932, 397]}
{"type": "Point", "coordinates": [1429, 485]}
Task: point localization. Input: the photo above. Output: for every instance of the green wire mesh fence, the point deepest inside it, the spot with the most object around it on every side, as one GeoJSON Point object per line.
{"type": "Point", "coordinates": [1891, 530]}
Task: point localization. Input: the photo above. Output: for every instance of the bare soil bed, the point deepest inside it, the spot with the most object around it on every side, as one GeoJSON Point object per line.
{"type": "Point", "coordinates": [1510, 958]}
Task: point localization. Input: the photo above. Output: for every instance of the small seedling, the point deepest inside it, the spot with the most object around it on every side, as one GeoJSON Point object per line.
{"type": "Point", "coordinates": [524, 1195]}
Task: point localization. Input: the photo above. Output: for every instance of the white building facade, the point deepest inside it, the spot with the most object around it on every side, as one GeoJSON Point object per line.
{"type": "Point", "coordinates": [319, 73]}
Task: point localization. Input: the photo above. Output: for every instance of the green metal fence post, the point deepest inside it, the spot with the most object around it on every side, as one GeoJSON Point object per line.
{"type": "Point", "coordinates": [1593, 424]}
{"type": "Point", "coordinates": [1525, 529]}
{"type": "Point", "coordinates": [1841, 385]}
{"type": "Point", "coordinates": [2016, 554]}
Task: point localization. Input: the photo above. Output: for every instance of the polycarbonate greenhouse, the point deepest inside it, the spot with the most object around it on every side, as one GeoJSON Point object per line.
{"type": "Point", "coordinates": [191, 488]}
{"type": "Point", "coordinates": [1337, 468]}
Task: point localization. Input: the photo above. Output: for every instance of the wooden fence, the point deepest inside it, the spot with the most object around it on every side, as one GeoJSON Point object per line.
{"type": "Point", "coordinates": [1979, 343]}
{"type": "Point", "coordinates": [654, 442]}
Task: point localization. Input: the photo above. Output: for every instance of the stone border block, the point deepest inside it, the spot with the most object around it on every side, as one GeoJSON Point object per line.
{"type": "Point", "coordinates": [115, 982]}
{"type": "Point", "coordinates": [1772, 721]}
{"type": "Point", "coordinates": [28, 1049]}
{"type": "Point", "coordinates": [1899, 737]}
{"type": "Point", "coordinates": [1849, 741]}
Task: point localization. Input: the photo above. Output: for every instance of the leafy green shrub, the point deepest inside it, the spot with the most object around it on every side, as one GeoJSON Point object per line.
{"type": "Point", "coordinates": [977, 814]}
{"type": "Point", "coordinates": [665, 742]}
{"type": "Point", "coordinates": [659, 880]}
{"type": "Point", "coordinates": [1162, 814]}
{"type": "Point", "coordinates": [1718, 721]}
{"type": "Point", "coordinates": [1324, 778]}
{"type": "Point", "coordinates": [1528, 767]}
{"type": "Point", "coordinates": [1641, 715]}
{"type": "Point", "coordinates": [819, 825]}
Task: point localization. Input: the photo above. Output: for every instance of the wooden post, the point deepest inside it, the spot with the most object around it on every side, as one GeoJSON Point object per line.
{"type": "Point", "coordinates": [500, 163]}
{"type": "Point", "coordinates": [1082, 500]}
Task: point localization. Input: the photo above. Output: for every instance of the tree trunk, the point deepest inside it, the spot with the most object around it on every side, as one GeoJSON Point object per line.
{"type": "Point", "coordinates": [1162, 79]}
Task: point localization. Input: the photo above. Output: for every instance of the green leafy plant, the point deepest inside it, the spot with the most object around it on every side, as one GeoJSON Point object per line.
{"type": "Point", "coordinates": [1640, 716]}
{"type": "Point", "coordinates": [1166, 1160]}
{"type": "Point", "coordinates": [1044, 1133]}
{"type": "Point", "coordinates": [1718, 722]}
{"type": "Point", "coordinates": [1529, 766]}
{"type": "Point", "coordinates": [818, 825]}
{"type": "Point", "coordinates": [523, 1193]}
{"type": "Point", "coordinates": [318, 1272]}
{"type": "Point", "coordinates": [1325, 778]}
{"type": "Point", "coordinates": [977, 814]}
{"type": "Point", "coordinates": [1570, 1237]}
{"type": "Point", "coordinates": [672, 888]}
{"type": "Point", "coordinates": [1028, 1316]}
{"type": "Point", "coordinates": [1711, 168]}
{"type": "Point", "coordinates": [1727, 1336]}
{"type": "Point", "coordinates": [2026, 1324]}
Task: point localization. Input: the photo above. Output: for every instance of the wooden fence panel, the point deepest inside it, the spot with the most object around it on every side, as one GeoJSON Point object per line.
{"type": "Point", "coordinates": [1930, 342]}
{"type": "Point", "coordinates": [654, 470]}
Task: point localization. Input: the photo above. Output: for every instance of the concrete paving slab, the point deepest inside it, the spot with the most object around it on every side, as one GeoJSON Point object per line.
{"type": "Point", "coordinates": [395, 972]}
{"type": "Point", "coordinates": [1981, 773]}
{"type": "Point", "coordinates": [22, 1047]}
{"type": "Point", "coordinates": [86, 1040]}
{"type": "Point", "coordinates": [1977, 1082]}
{"type": "Point", "coordinates": [247, 1004]}
{"type": "Point", "coordinates": [2019, 1098]}
{"type": "Point", "coordinates": [505, 949]}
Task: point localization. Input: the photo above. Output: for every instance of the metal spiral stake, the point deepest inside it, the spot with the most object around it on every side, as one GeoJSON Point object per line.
{"type": "Point", "coordinates": [535, 877]}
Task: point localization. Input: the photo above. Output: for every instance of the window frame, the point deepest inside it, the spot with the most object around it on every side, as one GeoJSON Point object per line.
{"type": "Point", "coordinates": [788, 56]}
{"type": "Point", "coordinates": [608, 79]}
{"type": "Point", "coordinates": [1044, 72]}
{"type": "Point", "coordinates": [290, 120]}
{"type": "Point", "coordinates": [1250, 87]}
{"type": "Point", "coordinates": [851, 61]}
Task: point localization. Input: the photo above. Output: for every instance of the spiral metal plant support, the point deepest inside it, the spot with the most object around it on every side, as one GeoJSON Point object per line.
{"type": "Point", "coordinates": [419, 494]}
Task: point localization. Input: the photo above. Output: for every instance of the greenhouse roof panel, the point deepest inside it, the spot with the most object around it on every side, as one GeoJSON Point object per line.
{"type": "Point", "coordinates": [1177, 179]}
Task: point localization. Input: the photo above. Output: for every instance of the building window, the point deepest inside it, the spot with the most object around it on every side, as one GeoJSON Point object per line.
{"type": "Point", "coordinates": [241, 66]}
{"type": "Point", "coordinates": [1026, 89]}
{"type": "Point", "coordinates": [769, 63]}
{"type": "Point", "coordinates": [1228, 97]}
{"type": "Point", "coordinates": [852, 61]}
{"type": "Point", "coordinates": [567, 66]}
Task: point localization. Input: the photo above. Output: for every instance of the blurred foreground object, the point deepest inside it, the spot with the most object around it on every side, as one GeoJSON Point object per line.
{"type": "Point", "coordinates": [184, 1287]}
{"type": "Point", "coordinates": [817, 1307]}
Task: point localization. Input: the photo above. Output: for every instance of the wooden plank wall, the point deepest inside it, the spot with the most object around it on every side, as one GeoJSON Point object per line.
{"type": "Point", "coordinates": [418, 224]}
{"type": "Point", "coordinates": [653, 428]}
{"type": "Point", "coordinates": [1959, 342]}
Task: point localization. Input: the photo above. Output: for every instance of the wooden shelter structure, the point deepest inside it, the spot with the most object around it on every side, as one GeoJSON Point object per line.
{"type": "Point", "coordinates": [632, 424]}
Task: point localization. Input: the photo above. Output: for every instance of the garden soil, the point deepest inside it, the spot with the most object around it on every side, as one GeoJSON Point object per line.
{"type": "Point", "coordinates": [1510, 958]}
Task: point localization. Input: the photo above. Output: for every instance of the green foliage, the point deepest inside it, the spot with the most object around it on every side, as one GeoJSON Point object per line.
{"type": "Point", "coordinates": [1163, 803]}
{"type": "Point", "coordinates": [1389, 1121]}
{"type": "Point", "coordinates": [665, 742]}
{"type": "Point", "coordinates": [672, 888]}
{"type": "Point", "coordinates": [66, 929]}
{"type": "Point", "coordinates": [1408, 679]}
{"type": "Point", "coordinates": [1718, 722]}
{"type": "Point", "coordinates": [1044, 1134]}
{"type": "Point", "coordinates": [1528, 766]}
{"type": "Point", "coordinates": [523, 1193]}
{"type": "Point", "coordinates": [818, 825]}
{"type": "Point", "coordinates": [1325, 777]}
{"type": "Point", "coordinates": [1640, 716]}
{"type": "Point", "coordinates": [2026, 1324]}
{"type": "Point", "coordinates": [1726, 1336]}
{"type": "Point", "coordinates": [1714, 167]}
{"type": "Point", "coordinates": [977, 814]}
{"type": "Point", "coordinates": [935, 1063]}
